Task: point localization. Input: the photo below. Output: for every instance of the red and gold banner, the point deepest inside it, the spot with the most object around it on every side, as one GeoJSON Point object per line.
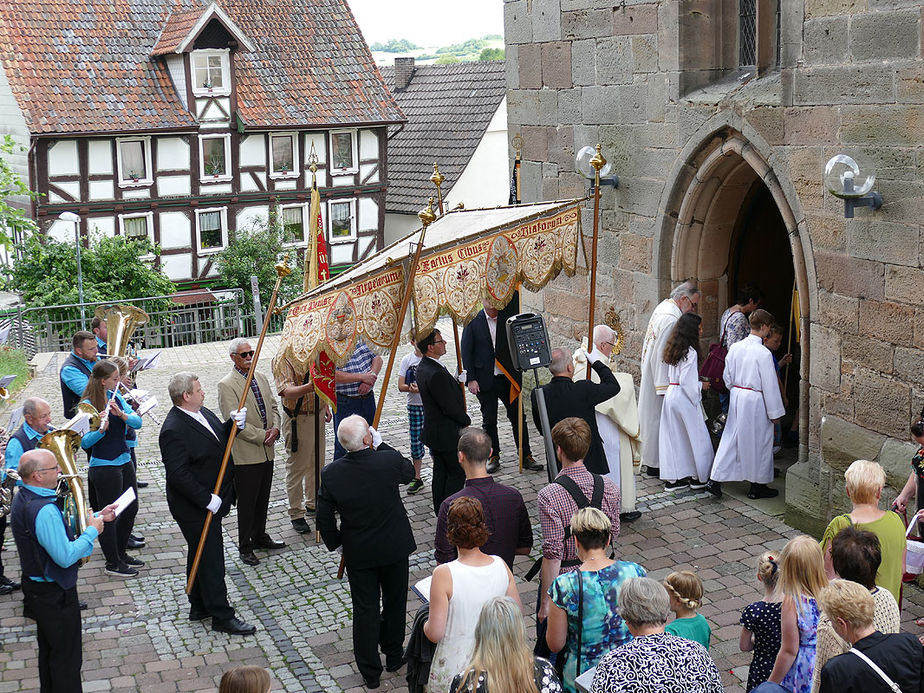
{"type": "Point", "coordinates": [317, 272]}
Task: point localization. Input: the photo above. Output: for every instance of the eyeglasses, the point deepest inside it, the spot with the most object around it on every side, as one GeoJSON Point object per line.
{"type": "Point", "coordinates": [440, 341]}
{"type": "Point", "coordinates": [47, 469]}
{"type": "Point", "coordinates": [610, 343]}
{"type": "Point", "coordinates": [245, 354]}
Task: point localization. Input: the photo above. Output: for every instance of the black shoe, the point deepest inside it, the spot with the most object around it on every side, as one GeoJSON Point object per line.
{"type": "Point", "coordinates": [136, 537]}
{"type": "Point", "coordinates": [266, 542]}
{"type": "Point", "coordinates": [530, 464]}
{"type": "Point", "coordinates": [493, 464]}
{"type": "Point", "coordinates": [134, 543]}
{"type": "Point", "coordinates": [82, 604]}
{"type": "Point", "coordinates": [762, 491]}
{"type": "Point", "coordinates": [248, 558]}
{"type": "Point", "coordinates": [196, 615]}
{"type": "Point", "coordinates": [121, 570]}
{"type": "Point", "coordinates": [696, 484]}
{"type": "Point", "coordinates": [6, 589]}
{"type": "Point", "coordinates": [7, 582]}
{"type": "Point", "coordinates": [309, 511]}
{"type": "Point", "coordinates": [142, 484]}
{"type": "Point", "coordinates": [301, 526]}
{"type": "Point", "coordinates": [392, 667]}
{"type": "Point", "coordinates": [652, 471]}
{"type": "Point", "coordinates": [714, 487]}
{"type": "Point", "coordinates": [371, 683]}
{"type": "Point", "coordinates": [630, 516]}
{"type": "Point", "coordinates": [676, 485]}
{"type": "Point", "coordinates": [132, 561]}
{"type": "Point", "coordinates": [234, 626]}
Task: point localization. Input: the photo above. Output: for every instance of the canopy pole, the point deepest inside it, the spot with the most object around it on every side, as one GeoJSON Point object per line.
{"type": "Point", "coordinates": [597, 162]}
{"type": "Point", "coordinates": [282, 270]}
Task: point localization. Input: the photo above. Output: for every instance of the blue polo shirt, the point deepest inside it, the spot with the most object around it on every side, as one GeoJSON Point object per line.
{"type": "Point", "coordinates": [50, 533]}
{"type": "Point", "coordinates": [14, 448]}
{"type": "Point", "coordinates": [93, 437]}
{"type": "Point", "coordinates": [74, 378]}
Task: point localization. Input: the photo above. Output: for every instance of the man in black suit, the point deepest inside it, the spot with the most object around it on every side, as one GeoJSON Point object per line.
{"type": "Point", "coordinates": [490, 375]}
{"type": "Point", "coordinates": [564, 398]}
{"type": "Point", "coordinates": [444, 417]}
{"type": "Point", "coordinates": [376, 536]}
{"type": "Point", "coordinates": [192, 444]}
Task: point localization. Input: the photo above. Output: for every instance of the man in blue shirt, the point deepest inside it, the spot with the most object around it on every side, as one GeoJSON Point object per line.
{"type": "Point", "coordinates": [75, 373]}
{"type": "Point", "coordinates": [101, 332]}
{"type": "Point", "coordinates": [50, 556]}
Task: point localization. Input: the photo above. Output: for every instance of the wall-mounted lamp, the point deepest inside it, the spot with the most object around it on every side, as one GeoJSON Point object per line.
{"type": "Point", "coordinates": [583, 164]}
{"type": "Point", "coordinates": [851, 178]}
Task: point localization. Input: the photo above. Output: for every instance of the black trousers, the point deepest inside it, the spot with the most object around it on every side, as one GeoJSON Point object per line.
{"type": "Point", "coordinates": [488, 401]}
{"type": "Point", "coordinates": [111, 482]}
{"type": "Point", "coordinates": [448, 476]}
{"type": "Point", "coordinates": [372, 628]}
{"type": "Point", "coordinates": [2, 539]}
{"type": "Point", "coordinates": [209, 593]}
{"type": "Point", "coordinates": [57, 617]}
{"type": "Point", "coordinates": [252, 483]}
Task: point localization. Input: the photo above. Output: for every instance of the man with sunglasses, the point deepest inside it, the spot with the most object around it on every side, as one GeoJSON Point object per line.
{"type": "Point", "coordinates": [50, 556]}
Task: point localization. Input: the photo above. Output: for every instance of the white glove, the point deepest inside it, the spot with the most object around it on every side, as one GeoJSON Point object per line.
{"type": "Point", "coordinates": [214, 505]}
{"type": "Point", "coordinates": [593, 356]}
{"type": "Point", "coordinates": [376, 437]}
{"type": "Point", "coordinates": [239, 416]}
{"type": "Point", "coordinates": [462, 377]}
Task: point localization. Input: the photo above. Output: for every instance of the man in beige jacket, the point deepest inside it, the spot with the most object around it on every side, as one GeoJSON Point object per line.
{"type": "Point", "coordinates": [617, 422]}
{"type": "Point", "coordinates": [252, 450]}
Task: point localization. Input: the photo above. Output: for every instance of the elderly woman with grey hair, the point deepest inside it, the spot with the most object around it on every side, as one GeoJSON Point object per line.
{"type": "Point", "coordinates": [654, 661]}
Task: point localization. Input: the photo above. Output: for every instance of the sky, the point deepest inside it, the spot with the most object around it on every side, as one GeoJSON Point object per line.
{"type": "Point", "coordinates": [427, 23]}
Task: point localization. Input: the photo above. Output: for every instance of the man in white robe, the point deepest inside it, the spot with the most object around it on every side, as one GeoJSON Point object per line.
{"type": "Point", "coordinates": [746, 450]}
{"type": "Point", "coordinates": [617, 423]}
{"type": "Point", "coordinates": [653, 386]}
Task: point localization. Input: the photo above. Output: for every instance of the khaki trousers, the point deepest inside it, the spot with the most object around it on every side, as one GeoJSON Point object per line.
{"type": "Point", "coordinates": [300, 465]}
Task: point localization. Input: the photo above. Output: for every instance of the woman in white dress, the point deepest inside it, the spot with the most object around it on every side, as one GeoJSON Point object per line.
{"type": "Point", "coordinates": [686, 449]}
{"type": "Point", "coordinates": [459, 590]}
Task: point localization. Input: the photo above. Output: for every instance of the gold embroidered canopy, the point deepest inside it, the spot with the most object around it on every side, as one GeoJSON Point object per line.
{"type": "Point", "coordinates": [469, 257]}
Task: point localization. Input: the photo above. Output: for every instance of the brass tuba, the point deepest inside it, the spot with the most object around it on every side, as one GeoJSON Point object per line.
{"type": "Point", "coordinates": [121, 322]}
{"type": "Point", "coordinates": [64, 445]}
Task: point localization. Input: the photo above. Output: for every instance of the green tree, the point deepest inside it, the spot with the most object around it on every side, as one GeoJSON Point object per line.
{"type": "Point", "coordinates": [14, 223]}
{"type": "Point", "coordinates": [395, 46]}
{"type": "Point", "coordinates": [253, 252]}
{"type": "Point", "coordinates": [491, 54]}
{"type": "Point", "coordinates": [446, 60]}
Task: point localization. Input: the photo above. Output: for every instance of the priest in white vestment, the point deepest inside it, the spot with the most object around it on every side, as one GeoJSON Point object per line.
{"type": "Point", "coordinates": [654, 382]}
{"type": "Point", "coordinates": [746, 450]}
{"type": "Point", "coordinates": [617, 422]}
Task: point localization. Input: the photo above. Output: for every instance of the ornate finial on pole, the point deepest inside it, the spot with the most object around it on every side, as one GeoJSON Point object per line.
{"type": "Point", "coordinates": [426, 215]}
{"type": "Point", "coordinates": [437, 178]}
{"type": "Point", "coordinates": [282, 267]}
{"type": "Point", "coordinates": [313, 165]}
{"type": "Point", "coordinates": [517, 142]}
{"type": "Point", "coordinates": [598, 162]}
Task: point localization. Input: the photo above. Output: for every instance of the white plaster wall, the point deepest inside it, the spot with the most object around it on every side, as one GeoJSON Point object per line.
{"type": "Point", "coordinates": [62, 159]}
{"type": "Point", "coordinates": [341, 181]}
{"type": "Point", "coordinates": [99, 153]}
{"type": "Point", "coordinates": [212, 116]}
{"type": "Point", "coordinates": [286, 183]}
{"type": "Point", "coordinates": [215, 188]}
{"type": "Point", "coordinates": [364, 170]}
{"type": "Point", "coordinates": [136, 193]}
{"type": "Point", "coordinates": [61, 231]}
{"type": "Point", "coordinates": [368, 145]}
{"type": "Point", "coordinates": [340, 253]}
{"type": "Point", "coordinates": [13, 123]}
{"type": "Point", "coordinates": [178, 74]}
{"type": "Point", "coordinates": [398, 226]}
{"type": "Point", "coordinates": [176, 267]}
{"type": "Point", "coordinates": [253, 150]}
{"type": "Point", "coordinates": [485, 182]}
{"type": "Point", "coordinates": [247, 216]}
{"type": "Point", "coordinates": [368, 214]}
{"type": "Point", "coordinates": [72, 188]}
{"type": "Point", "coordinates": [247, 183]}
{"type": "Point", "coordinates": [102, 189]}
{"type": "Point", "coordinates": [175, 231]}
{"type": "Point", "coordinates": [173, 185]}
{"type": "Point", "coordinates": [102, 226]}
{"type": "Point", "coordinates": [319, 139]}
{"type": "Point", "coordinates": [172, 153]}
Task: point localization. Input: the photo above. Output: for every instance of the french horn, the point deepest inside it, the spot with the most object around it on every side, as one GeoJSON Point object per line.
{"type": "Point", "coordinates": [64, 444]}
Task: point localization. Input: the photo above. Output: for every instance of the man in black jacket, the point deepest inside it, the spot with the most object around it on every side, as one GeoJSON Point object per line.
{"type": "Point", "coordinates": [192, 444]}
{"type": "Point", "coordinates": [444, 417]}
{"type": "Point", "coordinates": [564, 398]}
{"type": "Point", "coordinates": [376, 536]}
{"type": "Point", "coordinates": [490, 375]}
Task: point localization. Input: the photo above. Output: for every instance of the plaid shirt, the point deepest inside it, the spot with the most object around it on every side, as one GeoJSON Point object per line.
{"type": "Point", "coordinates": [556, 507]}
{"type": "Point", "coordinates": [360, 362]}
{"type": "Point", "coordinates": [255, 389]}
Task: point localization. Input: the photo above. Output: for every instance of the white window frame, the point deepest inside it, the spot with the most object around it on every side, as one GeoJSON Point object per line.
{"type": "Point", "coordinates": [225, 55]}
{"type": "Point", "coordinates": [353, 221]}
{"type": "Point", "coordinates": [354, 144]}
{"type": "Point", "coordinates": [304, 211]}
{"type": "Point", "coordinates": [211, 177]}
{"type": "Point", "coordinates": [224, 230]}
{"type": "Point", "coordinates": [292, 172]}
{"type": "Point", "coordinates": [149, 223]}
{"type": "Point", "coordinates": [147, 179]}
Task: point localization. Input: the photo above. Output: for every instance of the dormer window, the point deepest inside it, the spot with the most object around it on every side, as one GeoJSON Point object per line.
{"type": "Point", "coordinates": [211, 72]}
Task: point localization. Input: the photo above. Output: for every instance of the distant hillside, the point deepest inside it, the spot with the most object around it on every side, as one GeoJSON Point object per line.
{"type": "Point", "coordinates": [489, 47]}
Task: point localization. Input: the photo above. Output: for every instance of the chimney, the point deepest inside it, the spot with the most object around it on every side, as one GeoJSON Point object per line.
{"type": "Point", "coordinates": [404, 71]}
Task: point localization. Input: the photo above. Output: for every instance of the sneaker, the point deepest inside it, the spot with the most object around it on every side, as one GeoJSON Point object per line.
{"type": "Point", "coordinates": [714, 487]}
{"type": "Point", "coordinates": [697, 485]}
{"type": "Point", "coordinates": [675, 485]}
{"type": "Point", "coordinates": [132, 561]}
{"type": "Point", "coordinates": [415, 486]}
{"type": "Point", "coordinates": [121, 570]}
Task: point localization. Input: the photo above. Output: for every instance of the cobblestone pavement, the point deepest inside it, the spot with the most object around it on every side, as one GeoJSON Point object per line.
{"type": "Point", "coordinates": [136, 634]}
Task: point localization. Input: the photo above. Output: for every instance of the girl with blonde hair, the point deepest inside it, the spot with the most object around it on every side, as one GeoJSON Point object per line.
{"type": "Point", "coordinates": [802, 577]}
{"type": "Point", "coordinates": [686, 593]}
{"type": "Point", "coordinates": [502, 658]}
{"type": "Point", "coordinates": [760, 622]}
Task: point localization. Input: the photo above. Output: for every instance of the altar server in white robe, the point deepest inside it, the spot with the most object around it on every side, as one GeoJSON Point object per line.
{"type": "Point", "coordinates": [685, 446]}
{"type": "Point", "coordinates": [746, 450]}
{"type": "Point", "coordinates": [654, 382]}
{"type": "Point", "coordinates": [617, 422]}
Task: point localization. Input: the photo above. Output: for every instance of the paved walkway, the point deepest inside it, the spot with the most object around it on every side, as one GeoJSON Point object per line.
{"type": "Point", "coordinates": [136, 634]}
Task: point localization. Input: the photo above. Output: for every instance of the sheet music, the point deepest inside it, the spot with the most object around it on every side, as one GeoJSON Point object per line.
{"type": "Point", "coordinates": [7, 379]}
{"type": "Point", "coordinates": [79, 424]}
{"type": "Point", "coordinates": [147, 405]}
{"type": "Point", "coordinates": [144, 364]}
{"type": "Point", "coordinates": [422, 588]}
{"type": "Point", "coordinates": [124, 500]}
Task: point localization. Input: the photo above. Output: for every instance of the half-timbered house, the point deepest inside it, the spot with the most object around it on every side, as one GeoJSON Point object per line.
{"type": "Point", "coordinates": [185, 122]}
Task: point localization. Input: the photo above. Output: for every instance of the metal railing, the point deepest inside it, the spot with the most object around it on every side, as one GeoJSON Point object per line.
{"type": "Point", "coordinates": [187, 318]}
